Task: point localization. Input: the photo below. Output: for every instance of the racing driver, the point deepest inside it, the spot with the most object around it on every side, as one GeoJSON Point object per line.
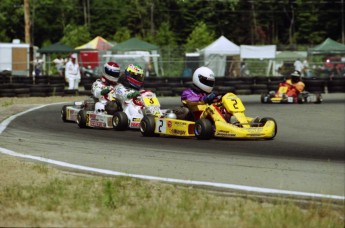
{"type": "Point", "coordinates": [199, 93]}
{"type": "Point", "coordinates": [130, 83]}
{"type": "Point", "coordinates": [106, 83]}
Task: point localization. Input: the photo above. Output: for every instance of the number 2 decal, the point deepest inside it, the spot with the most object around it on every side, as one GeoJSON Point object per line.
{"type": "Point", "coordinates": [235, 103]}
{"type": "Point", "coordinates": [160, 125]}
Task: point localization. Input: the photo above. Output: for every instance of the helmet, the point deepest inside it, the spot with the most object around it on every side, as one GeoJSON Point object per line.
{"type": "Point", "coordinates": [134, 76]}
{"type": "Point", "coordinates": [203, 78]}
{"type": "Point", "coordinates": [111, 73]}
{"type": "Point", "coordinates": [295, 76]}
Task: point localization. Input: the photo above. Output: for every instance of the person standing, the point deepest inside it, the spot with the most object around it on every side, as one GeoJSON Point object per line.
{"type": "Point", "coordinates": [298, 65]}
{"type": "Point", "coordinates": [59, 64]}
{"type": "Point", "coordinates": [72, 72]}
{"type": "Point", "coordinates": [38, 65]}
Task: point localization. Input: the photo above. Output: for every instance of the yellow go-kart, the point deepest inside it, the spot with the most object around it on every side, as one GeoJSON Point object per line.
{"type": "Point", "coordinates": [223, 118]}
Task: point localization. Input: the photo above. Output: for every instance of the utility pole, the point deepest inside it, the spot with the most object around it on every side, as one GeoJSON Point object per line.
{"type": "Point", "coordinates": [28, 34]}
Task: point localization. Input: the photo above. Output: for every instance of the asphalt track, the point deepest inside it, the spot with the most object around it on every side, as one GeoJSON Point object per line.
{"type": "Point", "coordinates": [307, 155]}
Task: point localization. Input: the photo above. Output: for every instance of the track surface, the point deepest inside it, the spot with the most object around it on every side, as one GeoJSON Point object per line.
{"type": "Point", "coordinates": [307, 155]}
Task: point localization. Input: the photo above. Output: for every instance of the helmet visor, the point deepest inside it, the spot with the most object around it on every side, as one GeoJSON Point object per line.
{"type": "Point", "coordinates": [206, 81]}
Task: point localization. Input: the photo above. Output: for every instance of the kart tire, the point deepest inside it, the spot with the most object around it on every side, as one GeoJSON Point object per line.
{"type": "Point", "coordinates": [63, 113]}
{"type": "Point", "coordinates": [147, 126]}
{"type": "Point", "coordinates": [318, 98]}
{"type": "Point", "coordinates": [264, 120]}
{"type": "Point", "coordinates": [81, 119]}
{"type": "Point", "coordinates": [263, 95]}
{"type": "Point", "coordinates": [203, 129]}
{"type": "Point", "coordinates": [120, 121]}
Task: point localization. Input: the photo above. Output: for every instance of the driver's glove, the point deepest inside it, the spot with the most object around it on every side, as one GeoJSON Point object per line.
{"type": "Point", "coordinates": [209, 98]}
{"type": "Point", "coordinates": [132, 95]}
{"type": "Point", "coordinates": [105, 91]}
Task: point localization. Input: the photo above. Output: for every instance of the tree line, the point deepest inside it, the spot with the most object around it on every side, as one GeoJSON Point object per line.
{"type": "Point", "coordinates": [177, 26]}
{"type": "Point", "coordinates": [172, 22]}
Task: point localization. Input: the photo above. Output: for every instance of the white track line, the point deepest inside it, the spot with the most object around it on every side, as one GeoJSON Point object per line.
{"type": "Point", "coordinates": [7, 121]}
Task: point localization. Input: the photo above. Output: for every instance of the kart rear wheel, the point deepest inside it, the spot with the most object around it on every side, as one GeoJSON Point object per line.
{"type": "Point", "coordinates": [203, 129]}
{"type": "Point", "coordinates": [63, 113]}
{"type": "Point", "coordinates": [120, 121]}
{"type": "Point", "coordinates": [147, 126]}
{"type": "Point", "coordinates": [264, 120]}
{"type": "Point", "coordinates": [81, 119]}
{"type": "Point", "coordinates": [318, 99]}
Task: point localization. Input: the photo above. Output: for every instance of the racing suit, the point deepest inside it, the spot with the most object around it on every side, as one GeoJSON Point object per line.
{"type": "Point", "coordinates": [103, 99]}
{"type": "Point", "coordinates": [190, 99]}
{"type": "Point", "coordinates": [123, 93]}
{"type": "Point", "coordinates": [298, 87]}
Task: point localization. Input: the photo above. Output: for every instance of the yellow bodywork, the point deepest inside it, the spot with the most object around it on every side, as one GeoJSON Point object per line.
{"type": "Point", "coordinates": [243, 128]}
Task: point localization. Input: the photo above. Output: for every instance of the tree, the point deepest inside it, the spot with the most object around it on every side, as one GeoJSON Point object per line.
{"type": "Point", "coordinates": [75, 35]}
{"type": "Point", "coordinates": [122, 34]}
{"type": "Point", "coordinates": [199, 38]}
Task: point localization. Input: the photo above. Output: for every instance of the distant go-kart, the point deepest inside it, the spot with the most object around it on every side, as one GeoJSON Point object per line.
{"type": "Point", "coordinates": [281, 96]}
{"type": "Point", "coordinates": [69, 113]}
{"type": "Point", "coordinates": [118, 117]}
{"type": "Point", "coordinates": [223, 118]}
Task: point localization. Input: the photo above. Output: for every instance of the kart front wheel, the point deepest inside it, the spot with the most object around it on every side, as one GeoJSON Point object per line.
{"type": "Point", "coordinates": [63, 113]}
{"type": "Point", "coordinates": [263, 122]}
{"type": "Point", "coordinates": [147, 126]}
{"type": "Point", "coordinates": [203, 129]}
{"type": "Point", "coordinates": [120, 121]}
{"type": "Point", "coordinates": [81, 119]}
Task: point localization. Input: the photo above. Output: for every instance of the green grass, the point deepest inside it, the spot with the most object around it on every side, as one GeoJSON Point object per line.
{"type": "Point", "coordinates": [95, 201]}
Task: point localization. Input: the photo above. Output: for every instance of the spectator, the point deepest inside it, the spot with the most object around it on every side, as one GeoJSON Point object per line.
{"type": "Point", "coordinates": [72, 72]}
{"type": "Point", "coordinates": [298, 65]}
{"type": "Point", "coordinates": [59, 64]}
{"type": "Point", "coordinates": [38, 65]}
{"type": "Point", "coordinates": [306, 70]}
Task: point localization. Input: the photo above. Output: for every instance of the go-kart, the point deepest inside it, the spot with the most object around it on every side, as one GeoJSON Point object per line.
{"type": "Point", "coordinates": [121, 117]}
{"type": "Point", "coordinates": [69, 112]}
{"type": "Point", "coordinates": [281, 96]}
{"type": "Point", "coordinates": [223, 118]}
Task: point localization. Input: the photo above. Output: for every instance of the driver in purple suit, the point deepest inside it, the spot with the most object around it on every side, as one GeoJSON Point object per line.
{"type": "Point", "coordinates": [199, 93]}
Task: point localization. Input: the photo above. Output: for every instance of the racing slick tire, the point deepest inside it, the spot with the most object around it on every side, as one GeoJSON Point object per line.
{"type": "Point", "coordinates": [147, 126]}
{"type": "Point", "coordinates": [63, 113]}
{"type": "Point", "coordinates": [264, 120]}
{"type": "Point", "coordinates": [81, 119]}
{"type": "Point", "coordinates": [263, 96]}
{"type": "Point", "coordinates": [318, 99]}
{"type": "Point", "coordinates": [120, 121]}
{"type": "Point", "coordinates": [203, 129]}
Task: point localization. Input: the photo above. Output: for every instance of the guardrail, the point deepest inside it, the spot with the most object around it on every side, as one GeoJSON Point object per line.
{"type": "Point", "coordinates": [19, 86]}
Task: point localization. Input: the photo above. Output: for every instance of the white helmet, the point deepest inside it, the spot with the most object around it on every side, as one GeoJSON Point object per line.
{"type": "Point", "coordinates": [203, 78]}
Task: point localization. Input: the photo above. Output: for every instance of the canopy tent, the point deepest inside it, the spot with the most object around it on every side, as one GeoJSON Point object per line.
{"type": "Point", "coordinates": [258, 52]}
{"type": "Point", "coordinates": [98, 43]}
{"type": "Point", "coordinates": [134, 44]}
{"type": "Point", "coordinates": [215, 54]}
{"type": "Point", "coordinates": [262, 52]}
{"type": "Point", "coordinates": [135, 50]}
{"type": "Point", "coordinates": [55, 48]}
{"type": "Point", "coordinates": [285, 59]}
{"type": "Point", "coordinates": [328, 46]}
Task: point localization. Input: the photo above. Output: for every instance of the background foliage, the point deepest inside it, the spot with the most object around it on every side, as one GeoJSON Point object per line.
{"type": "Point", "coordinates": [285, 22]}
{"type": "Point", "coordinates": [177, 26]}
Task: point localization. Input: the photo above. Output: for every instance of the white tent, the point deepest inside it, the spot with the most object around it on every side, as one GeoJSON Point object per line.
{"type": "Point", "coordinates": [215, 54]}
{"type": "Point", "coordinates": [261, 52]}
